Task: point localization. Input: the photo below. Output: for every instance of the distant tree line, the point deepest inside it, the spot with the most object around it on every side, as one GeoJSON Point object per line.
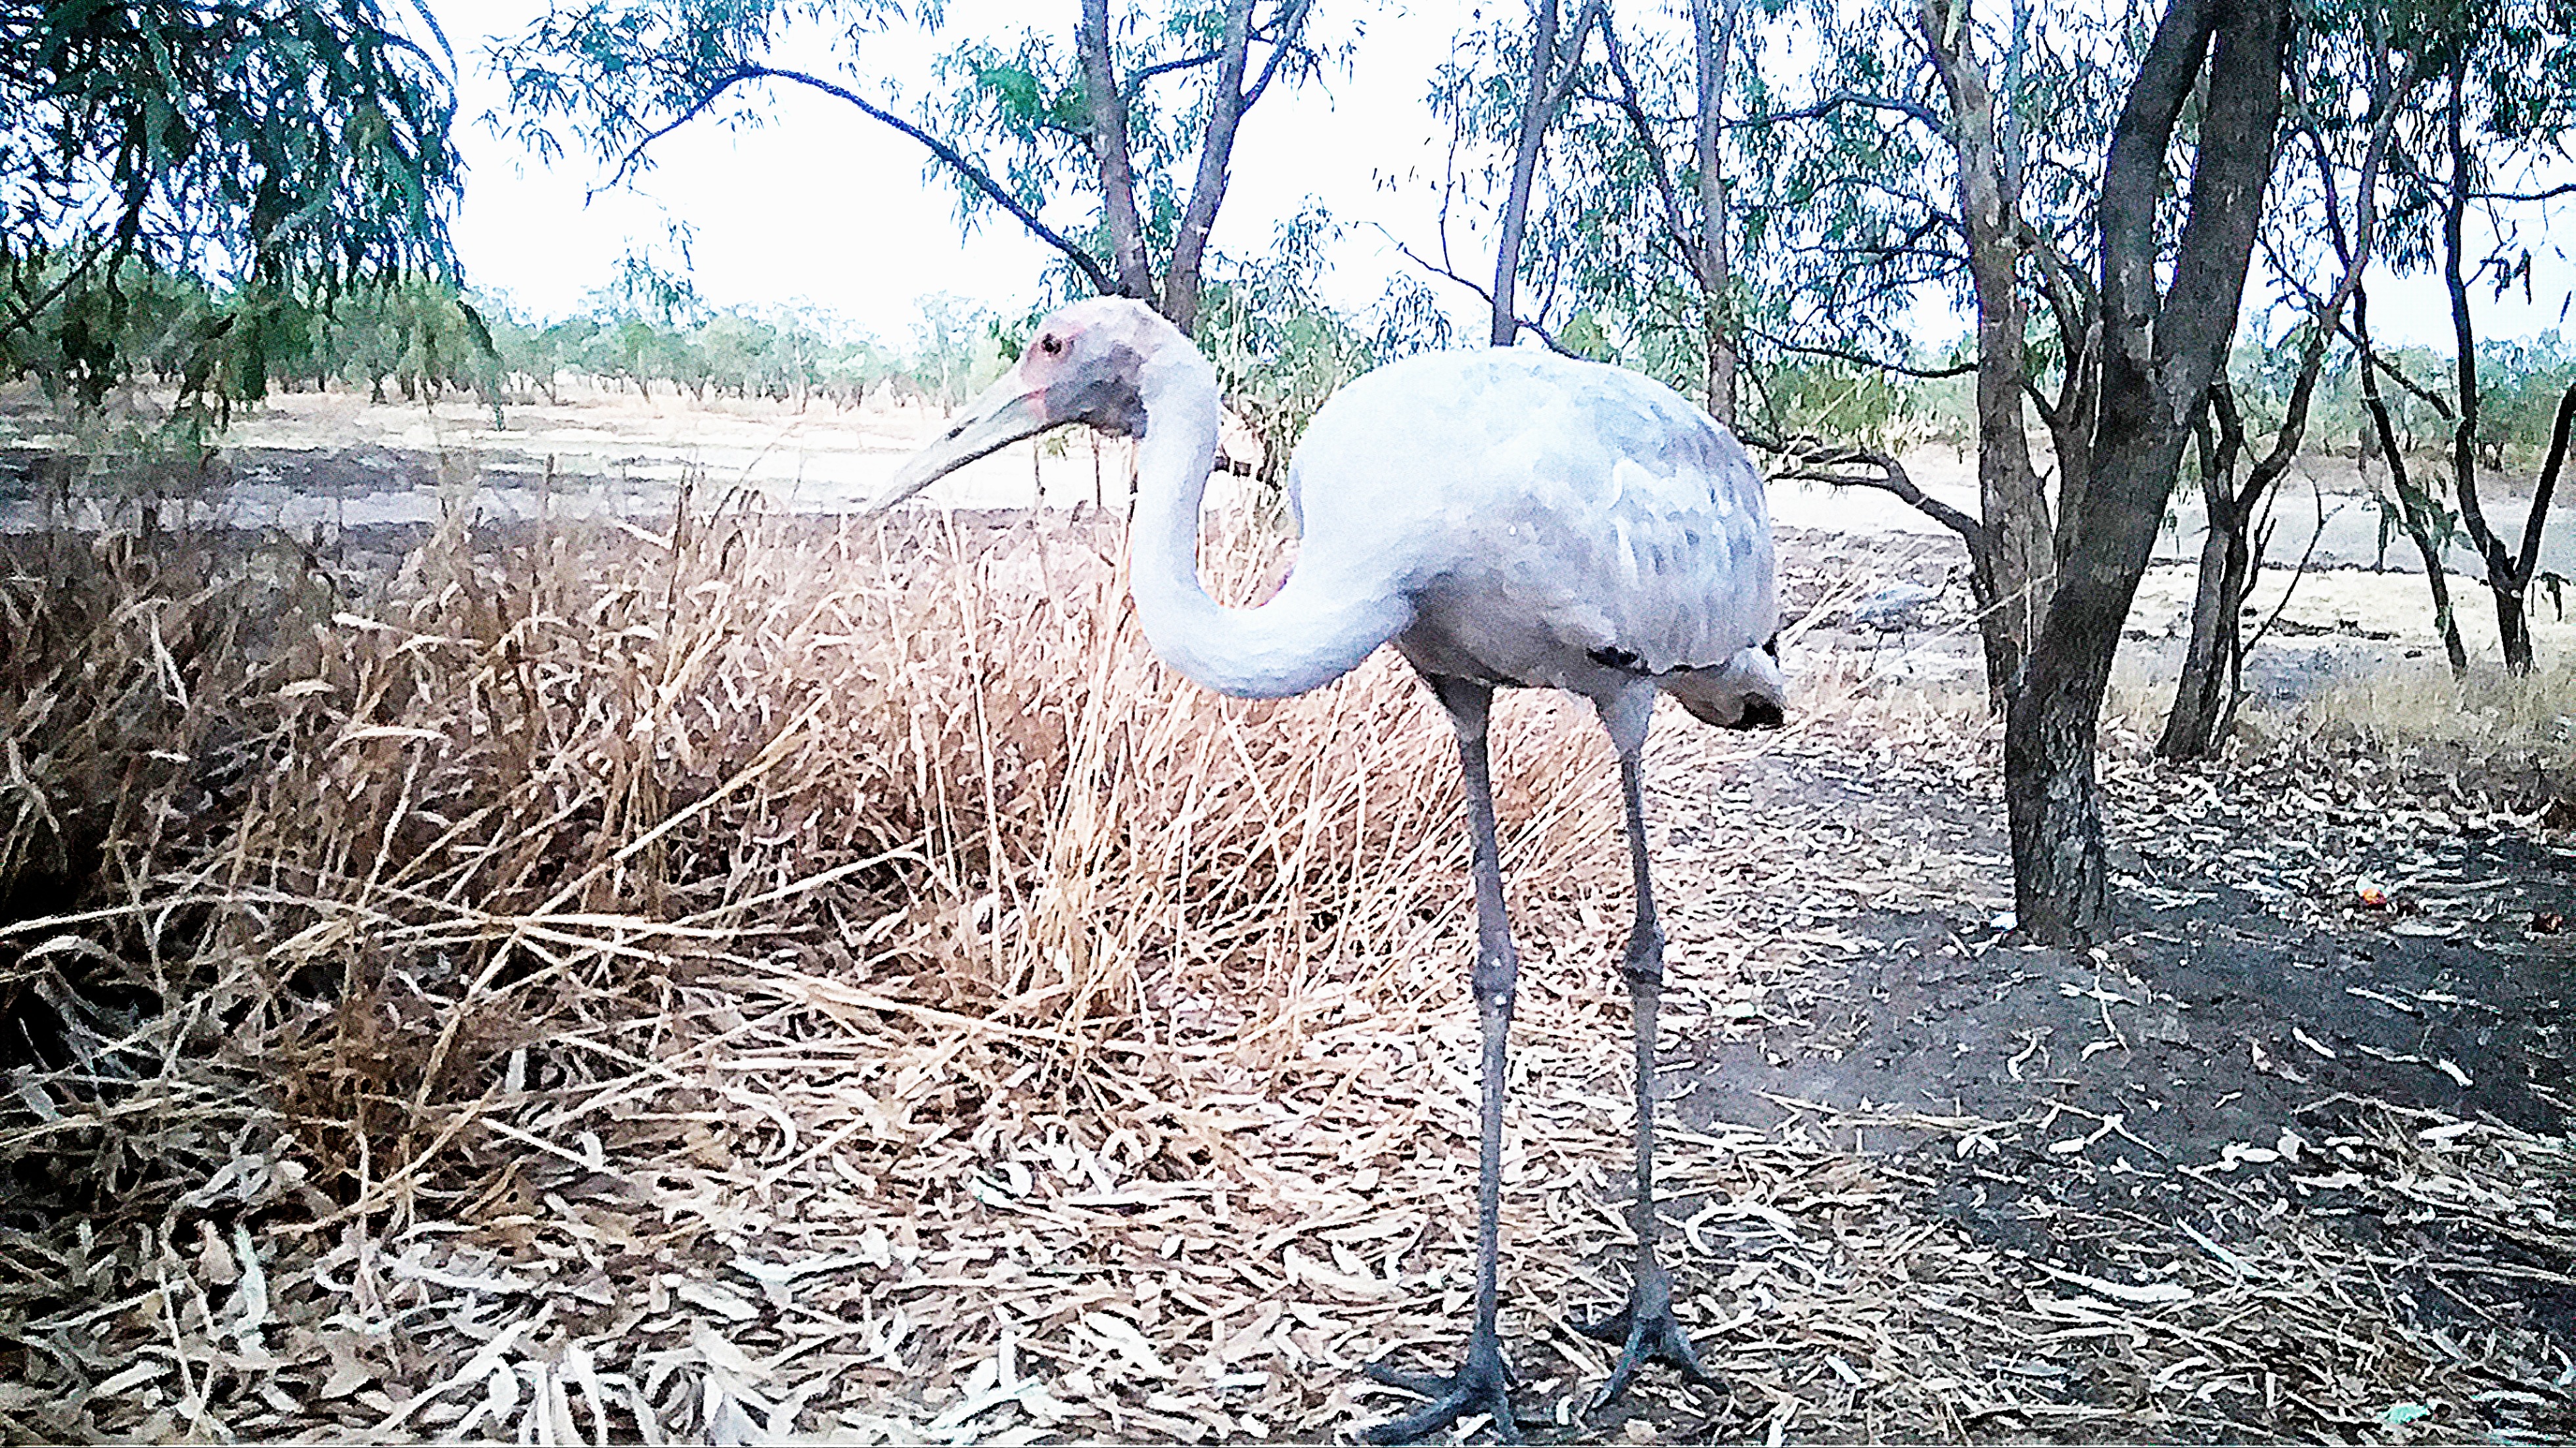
{"type": "Point", "coordinates": [297, 150]}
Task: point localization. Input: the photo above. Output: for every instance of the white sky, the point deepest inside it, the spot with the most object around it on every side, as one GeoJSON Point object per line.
{"type": "Point", "coordinates": [826, 207]}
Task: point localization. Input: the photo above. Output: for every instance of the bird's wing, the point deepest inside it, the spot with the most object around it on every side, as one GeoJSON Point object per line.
{"type": "Point", "coordinates": [1590, 504]}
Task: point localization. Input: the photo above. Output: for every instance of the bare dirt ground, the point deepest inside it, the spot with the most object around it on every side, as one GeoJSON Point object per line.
{"type": "Point", "coordinates": [2286, 1159]}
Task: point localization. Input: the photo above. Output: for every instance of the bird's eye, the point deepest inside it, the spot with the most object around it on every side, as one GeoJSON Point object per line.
{"type": "Point", "coordinates": [1050, 344]}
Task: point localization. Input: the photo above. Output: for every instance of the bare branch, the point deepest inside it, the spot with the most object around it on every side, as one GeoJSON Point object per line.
{"type": "Point", "coordinates": [1811, 461]}
{"type": "Point", "coordinates": [2441, 405]}
{"type": "Point", "coordinates": [1956, 369]}
{"type": "Point", "coordinates": [2528, 562]}
{"type": "Point", "coordinates": [948, 155]}
{"type": "Point", "coordinates": [2564, 188]}
{"type": "Point", "coordinates": [1137, 78]}
{"type": "Point", "coordinates": [1471, 284]}
{"type": "Point", "coordinates": [2301, 571]}
{"type": "Point", "coordinates": [1914, 111]}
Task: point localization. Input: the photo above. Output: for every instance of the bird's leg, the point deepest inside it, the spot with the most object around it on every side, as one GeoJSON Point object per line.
{"type": "Point", "coordinates": [1645, 1328]}
{"type": "Point", "coordinates": [1480, 1384]}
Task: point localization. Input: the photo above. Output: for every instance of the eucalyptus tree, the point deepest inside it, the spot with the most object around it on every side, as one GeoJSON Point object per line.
{"type": "Point", "coordinates": [1673, 99]}
{"type": "Point", "coordinates": [1631, 187]}
{"type": "Point", "coordinates": [2349, 85]}
{"type": "Point", "coordinates": [2037, 175]}
{"type": "Point", "coordinates": [1505, 90]}
{"type": "Point", "coordinates": [2502, 106]}
{"type": "Point", "coordinates": [2417, 510]}
{"type": "Point", "coordinates": [2167, 316]}
{"type": "Point", "coordinates": [183, 182]}
{"type": "Point", "coordinates": [1113, 145]}
{"type": "Point", "coordinates": [1950, 148]}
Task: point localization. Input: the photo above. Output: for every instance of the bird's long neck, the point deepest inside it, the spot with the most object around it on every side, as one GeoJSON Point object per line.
{"type": "Point", "coordinates": [1295, 642]}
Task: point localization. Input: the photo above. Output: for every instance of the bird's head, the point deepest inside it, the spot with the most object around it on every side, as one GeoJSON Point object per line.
{"type": "Point", "coordinates": [1085, 363]}
{"type": "Point", "coordinates": [1748, 691]}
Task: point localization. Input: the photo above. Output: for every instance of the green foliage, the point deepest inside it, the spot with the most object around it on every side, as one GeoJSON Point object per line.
{"type": "Point", "coordinates": [184, 183]}
{"type": "Point", "coordinates": [957, 348]}
{"type": "Point", "coordinates": [2520, 383]}
{"type": "Point", "coordinates": [1281, 349]}
{"type": "Point", "coordinates": [2518, 64]}
{"type": "Point", "coordinates": [786, 353]}
{"type": "Point", "coordinates": [1863, 406]}
{"type": "Point", "coordinates": [419, 335]}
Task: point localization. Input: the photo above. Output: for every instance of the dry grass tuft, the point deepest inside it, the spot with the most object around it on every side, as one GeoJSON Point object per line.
{"type": "Point", "coordinates": [2519, 733]}
{"type": "Point", "coordinates": [931, 760]}
{"type": "Point", "coordinates": [2510, 740]}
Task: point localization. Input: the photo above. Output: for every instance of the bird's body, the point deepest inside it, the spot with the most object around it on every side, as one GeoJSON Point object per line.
{"type": "Point", "coordinates": [1894, 607]}
{"type": "Point", "coordinates": [1552, 523]}
{"type": "Point", "coordinates": [1508, 517]}
{"type": "Point", "coordinates": [1504, 518]}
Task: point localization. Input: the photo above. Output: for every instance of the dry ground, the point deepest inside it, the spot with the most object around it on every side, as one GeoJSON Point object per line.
{"type": "Point", "coordinates": [737, 977]}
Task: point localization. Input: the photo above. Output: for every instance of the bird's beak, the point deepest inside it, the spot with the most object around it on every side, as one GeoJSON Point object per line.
{"type": "Point", "coordinates": [1006, 413]}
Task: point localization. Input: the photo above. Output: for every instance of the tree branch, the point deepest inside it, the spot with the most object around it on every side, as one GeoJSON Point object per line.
{"type": "Point", "coordinates": [2071, 298]}
{"type": "Point", "coordinates": [1114, 155]}
{"type": "Point", "coordinates": [1519, 322]}
{"type": "Point", "coordinates": [1285, 28]}
{"type": "Point", "coordinates": [1137, 78]}
{"type": "Point", "coordinates": [2387, 94]}
{"type": "Point", "coordinates": [1226, 105]}
{"type": "Point", "coordinates": [2388, 367]}
{"type": "Point", "coordinates": [2528, 562]}
{"type": "Point", "coordinates": [1956, 369]}
{"type": "Point", "coordinates": [1811, 461]}
{"type": "Point", "coordinates": [1643, 125]}
{"type": "Point", "coordinates": [27, 314]}
{"type": "Point", "coordinates": [2564, 188]}
{"type": "Point", "coordinates": [2464, 433]}
{"type": "Point", "coordinates": [1914, 111]}
{"type": "Point", "coordinates": [948, 155]}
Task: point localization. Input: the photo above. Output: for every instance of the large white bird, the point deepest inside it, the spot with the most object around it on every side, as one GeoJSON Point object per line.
{"type": "Point", "coordinates": [1505, 518]}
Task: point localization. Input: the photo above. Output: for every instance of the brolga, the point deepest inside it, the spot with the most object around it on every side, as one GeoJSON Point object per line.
{"type": "Point", "coordinates": [1505, 518]}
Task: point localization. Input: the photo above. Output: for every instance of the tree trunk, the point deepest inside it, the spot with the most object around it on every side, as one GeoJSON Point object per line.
{"type": "Point", "coordinates": [2051, 794]}
{"type": "Point", "coordinates": [1226, 102]}
{"type": "Point", "coordinates": [2010, 495]}
{"type": "Point", "coordinates": [2410, 514]}
{"type": "Point", "coordinates": [2211, 659]}
{"type": "Point", "coordinates": [2526, 567]}
{"type": "Point", "coordinates": [1715, 37]}
{"type": "Point", "coordinates": [2160, 351]}
{"type": "Point", "coordinates": [2513, 629]}
{"type": "Point", "coordinates": [2213, 668]}
{"type": "Point", "coordinates": [1111, 151]}
{"type": "Point", "coordinates": [1532, 135]}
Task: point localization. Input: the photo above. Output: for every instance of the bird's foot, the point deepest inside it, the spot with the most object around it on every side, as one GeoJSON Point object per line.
{"type": "Point", "coordinates": [1481, 1385]}
{"type": "Point", "coordinates": [1647, 1332]}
